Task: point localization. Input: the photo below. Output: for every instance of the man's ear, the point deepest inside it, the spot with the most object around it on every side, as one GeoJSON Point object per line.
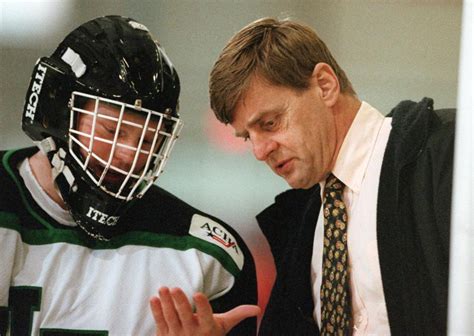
{"type": "Point", "coordinates": [324, 78]}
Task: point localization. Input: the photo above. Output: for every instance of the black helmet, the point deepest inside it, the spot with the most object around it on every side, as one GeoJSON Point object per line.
{"type": "Point", "coordinates": [110, 61]}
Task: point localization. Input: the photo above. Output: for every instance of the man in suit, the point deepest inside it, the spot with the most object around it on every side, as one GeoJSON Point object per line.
{"type": "Point", "coordinates": [361, 242]}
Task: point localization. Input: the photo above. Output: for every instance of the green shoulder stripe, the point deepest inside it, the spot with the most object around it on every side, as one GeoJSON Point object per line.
{"type": "Point", "coordinates": [139, 238]}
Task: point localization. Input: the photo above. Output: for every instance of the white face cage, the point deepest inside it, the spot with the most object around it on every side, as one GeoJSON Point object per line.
{"type": "Point", "coordinates": [136, 180]}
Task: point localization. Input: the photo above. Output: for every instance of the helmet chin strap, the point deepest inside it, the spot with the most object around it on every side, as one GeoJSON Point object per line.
{"type": "Point", "coordinates": [94, 211]}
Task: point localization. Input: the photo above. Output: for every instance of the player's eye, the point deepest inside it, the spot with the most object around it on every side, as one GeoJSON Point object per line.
{"type": "Point", "coordinates": [109, 129]}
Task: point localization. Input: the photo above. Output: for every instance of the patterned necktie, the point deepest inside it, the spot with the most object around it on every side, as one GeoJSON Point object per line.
{"type": "Point", "coordinates": [335, 292]}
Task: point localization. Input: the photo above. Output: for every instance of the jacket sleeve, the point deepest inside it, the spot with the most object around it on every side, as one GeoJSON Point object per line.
{"type": "Point", "coordinates": [280, 219]}
{"type": "Point", "coordinates": [431, 190]}
{"type": "Point", "coordinates": [289, 227]}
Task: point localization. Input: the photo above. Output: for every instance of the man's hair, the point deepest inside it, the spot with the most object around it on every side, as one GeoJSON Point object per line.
{"type": "Point", "coordinates": [282, 52]}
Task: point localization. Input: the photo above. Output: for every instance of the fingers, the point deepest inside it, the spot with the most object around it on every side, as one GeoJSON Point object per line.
{"type": "Point", "coordinates": [222, 323]}
{"type": "Point", "coordinates": [157, 311]}
{"type": "Point", "coordinates": [230, 319]}
{"type": "Point", "coordinates": [183, 308]}
{"type": "Point", "coordinates": [174, 315]}
{"type": "Point", "coordinates": [170, 313]}
{"type": "Point", "coordinates": [203, 309]}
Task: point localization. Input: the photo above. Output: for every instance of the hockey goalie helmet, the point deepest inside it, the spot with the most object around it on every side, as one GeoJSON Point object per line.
{"type": "Point", "coordinates": [104, 108]}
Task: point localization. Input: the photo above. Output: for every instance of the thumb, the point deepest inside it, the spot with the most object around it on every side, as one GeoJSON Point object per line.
{"type": "Point", "coordinates": [234, 316]}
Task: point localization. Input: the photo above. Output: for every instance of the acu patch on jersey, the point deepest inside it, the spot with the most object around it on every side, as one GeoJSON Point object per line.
{"type": "Point", "coordinates": [206, 229]}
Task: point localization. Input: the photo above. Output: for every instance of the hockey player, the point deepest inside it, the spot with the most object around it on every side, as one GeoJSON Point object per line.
{"type": "Point", "coordinates": [86, 237]}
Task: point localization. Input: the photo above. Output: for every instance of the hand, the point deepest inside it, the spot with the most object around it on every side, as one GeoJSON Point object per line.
{"type": "Point", "coordinates": [174, 315]}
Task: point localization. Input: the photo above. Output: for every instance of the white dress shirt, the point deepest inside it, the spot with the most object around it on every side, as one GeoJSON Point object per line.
{"type": "Point", "coordinates": [358, 166]}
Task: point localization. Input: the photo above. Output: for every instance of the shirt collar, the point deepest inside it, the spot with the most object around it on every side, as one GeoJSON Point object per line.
{"type": "Point", "coordinates": [356, 150]}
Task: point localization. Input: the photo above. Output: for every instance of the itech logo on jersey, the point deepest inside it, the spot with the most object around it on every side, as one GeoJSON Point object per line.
{"type": "Point", "coordinates": [35, 91]}
{"type": "Point", "coordinates": [101, 217]}
{"type": "Point", "coordinates": [213, 232]}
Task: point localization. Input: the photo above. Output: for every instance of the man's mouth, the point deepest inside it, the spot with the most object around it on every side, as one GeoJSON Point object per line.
{"type": "Point", "coordinates": [114, 177]}
{"type": "Point", "coordinates": [111, 177]}
{"type": "Point", "coordinates": [283, 167]}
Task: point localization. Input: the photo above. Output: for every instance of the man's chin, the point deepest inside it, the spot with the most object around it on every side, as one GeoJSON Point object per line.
{"type": "Point", "coordinates": [296, 183]}
{"type": "Point", "coordinates": [112, 181]}
{"type": "Point", "coordinates": [115, 186]}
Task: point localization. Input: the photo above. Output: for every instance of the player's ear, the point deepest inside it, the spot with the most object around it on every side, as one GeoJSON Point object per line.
{"type": "Point", "coordinates": [325, 80]}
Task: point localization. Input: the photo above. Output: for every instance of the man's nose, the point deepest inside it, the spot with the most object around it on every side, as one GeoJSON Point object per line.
{"type": "Point", "coordinates": [262, 147]}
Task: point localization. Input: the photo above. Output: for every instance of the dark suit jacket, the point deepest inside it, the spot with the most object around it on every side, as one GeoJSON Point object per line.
{"type": "Point", "coordinates": [413, 221]}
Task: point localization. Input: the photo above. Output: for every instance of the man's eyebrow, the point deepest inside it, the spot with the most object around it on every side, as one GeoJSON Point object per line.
{"type": "Point", "coordinates": [255, 119]}
{"type": "Point", "coordinates": [251, 123]}
{"type": "Point", "coordinates": [242, 134]}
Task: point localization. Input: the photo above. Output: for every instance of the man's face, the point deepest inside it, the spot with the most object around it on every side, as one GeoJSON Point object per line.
{"type": "Point", "coordinates": [122, 156]}
{"type": "Point", "coordinates": [292, 131]}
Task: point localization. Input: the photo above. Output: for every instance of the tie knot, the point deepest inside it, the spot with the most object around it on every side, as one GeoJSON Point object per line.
{"type": "Point", "coordinates": [333, 183]}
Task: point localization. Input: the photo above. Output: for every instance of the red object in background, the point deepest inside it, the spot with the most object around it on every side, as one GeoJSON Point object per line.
{"type": "Point", "coordinates": [265, 276]}
{"type": "Point", "coordinates": [222, 136]}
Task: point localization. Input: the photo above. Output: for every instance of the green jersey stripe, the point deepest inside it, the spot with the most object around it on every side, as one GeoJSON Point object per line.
{"type": "Point", "coordinates": [182, 243]}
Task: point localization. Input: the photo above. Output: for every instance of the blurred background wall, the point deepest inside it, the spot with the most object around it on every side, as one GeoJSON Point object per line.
{"type": "Point", "coordinates": [391, 50]}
